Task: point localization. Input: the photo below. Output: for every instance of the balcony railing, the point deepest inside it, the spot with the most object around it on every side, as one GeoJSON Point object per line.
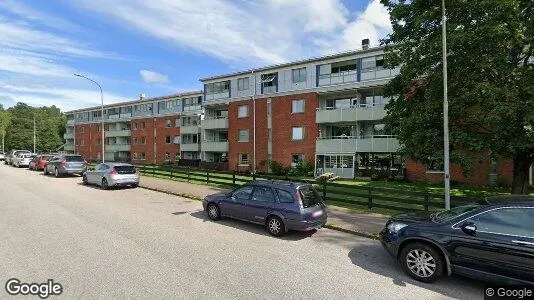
{"type": "Point", "coordinates": [118, 132]}
{"type": "Point", "coordinates": [69, 147]}
{"type": "Point", "coordinates": [215, 123]}
{"type": "Point", "coordinates": [362, 112]}
{"type": "Point", "coordinates": [338, 78]}
{"type": "Point", "coordinates": [190, 147]}
{"type": "Point", "coordinates": [353, 144]}
{"type": "Point", "coordinates": [193, 129]}
{"type": "Point", "coordinates": [215, 146]}
{"type": "Point", "coordinates": [68, 135]}
{"type": "Point", "coordinates": [117, 147]}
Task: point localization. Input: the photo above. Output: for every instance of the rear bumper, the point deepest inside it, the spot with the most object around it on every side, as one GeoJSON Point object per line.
{"type": "Point", "coordinates": [300, 225]}
{"type": "Point", "coordinates": [123, 182]}
{"type": "Point", "coordinates": [72, 170]}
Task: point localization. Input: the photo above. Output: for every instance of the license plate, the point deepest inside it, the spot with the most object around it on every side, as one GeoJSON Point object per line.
{"type": "Point", "coordinates": [317, 213]}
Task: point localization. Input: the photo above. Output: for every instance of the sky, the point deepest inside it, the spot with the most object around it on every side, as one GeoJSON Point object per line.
{"type": "Point", "coordinates": [162, 47]}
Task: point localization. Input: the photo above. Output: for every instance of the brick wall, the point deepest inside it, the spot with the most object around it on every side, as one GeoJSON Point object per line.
{"type": "Point", "coordinates": [148, 133]}
{"type": "Point", "coordinates": [162, 132]}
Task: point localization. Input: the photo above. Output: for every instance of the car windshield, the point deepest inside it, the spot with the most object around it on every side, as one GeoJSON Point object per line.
{"type": "Point", "coordinates": [309, 196]}
{"type": "Point", "coordinates": [447, 215]}
{"type": "Point", "coordinates": [76, 158]}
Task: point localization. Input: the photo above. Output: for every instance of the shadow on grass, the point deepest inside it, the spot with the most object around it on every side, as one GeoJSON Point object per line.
{"type": "Point", "coordinates": [252, 228]}
{"type": "Point", "coordinates": [373, 258]}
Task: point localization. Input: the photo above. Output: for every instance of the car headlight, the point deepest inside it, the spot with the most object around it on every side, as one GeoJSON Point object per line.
{"type": "Point", "coordinates": [395, 227]}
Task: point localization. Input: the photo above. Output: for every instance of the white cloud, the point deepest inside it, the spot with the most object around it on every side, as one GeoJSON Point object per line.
{"type": "Point", "coordinates": [28, 13]}
{"type": "Point", "coordinates": [152, 77]}
{"type": "Point", "coordinates": [249, 33]}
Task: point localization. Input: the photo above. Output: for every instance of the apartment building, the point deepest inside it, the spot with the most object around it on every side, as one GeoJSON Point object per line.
{"type": "Point", "coordinates": [149, 130]}
{"type": "Point", "coordinates": [326, 111]}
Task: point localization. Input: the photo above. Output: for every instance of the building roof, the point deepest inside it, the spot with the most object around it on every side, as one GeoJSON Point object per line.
{"type": "Point", "coordinates": [145, 100]}
{"type": "Point", "coordinates": [297, 62]}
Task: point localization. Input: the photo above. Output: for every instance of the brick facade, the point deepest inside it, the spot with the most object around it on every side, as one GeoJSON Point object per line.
{"type": "Point", "coordinates": [159, 140]}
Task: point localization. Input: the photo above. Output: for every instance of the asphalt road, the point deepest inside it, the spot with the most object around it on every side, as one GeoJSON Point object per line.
{"type": "Point", "coordinates": [137, 243]}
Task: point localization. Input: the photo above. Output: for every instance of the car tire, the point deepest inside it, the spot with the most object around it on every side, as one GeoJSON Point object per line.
{"type": "Point", "coordinates": [56, 172]}
{"type": "Point", "coordinates": [84, 180]}
{"type": "Point", "coordinates": [45, 171]}
{"type": "Point", "coordinates": [104, 184]}
{"type": "Point", "coordinates": [422, 262]}
{"type": "Point", "coordinates": [135, 185]}
{"type": "Point", "coordinates": [214, 212]}
{"type": "Point", "coordinates": [275, 226]}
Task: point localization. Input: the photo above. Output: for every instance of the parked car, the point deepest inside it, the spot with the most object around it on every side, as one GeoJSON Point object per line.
{"type": "Point", "coordinates": [60, 165]}
{"type": "Point", "coordinates": [22, 160]}
{"type": "Point", "coordinates": [492, 241]}
{"type": "Point", "coordinates": [280, 206]}
{"type": "Point", "coordinates": [2, 155]}
{"type": "Point", "coordinates": [111, 175]}
{"type": "Point", "coordinates": [12, 154]}
{"type": "Point", "coordinates": [38, 162]}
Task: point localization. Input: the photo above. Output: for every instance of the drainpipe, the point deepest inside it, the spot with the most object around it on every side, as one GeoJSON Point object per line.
{"type": "Point", "coordinates": [254, 116]}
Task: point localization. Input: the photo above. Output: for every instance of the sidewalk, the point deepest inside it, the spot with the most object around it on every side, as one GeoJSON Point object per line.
{"type": "Point", "coordinates": [364, 224]}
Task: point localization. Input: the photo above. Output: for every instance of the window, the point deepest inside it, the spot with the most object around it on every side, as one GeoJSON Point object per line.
{"type": "Point", "coordinates": [135, 141]}
{"type": "Point", "coordinates": [285, 197]}
{"type": "Point", "coordinates": [343, 67]}
{"type": "Point", "coordinates": [242, 111]}
{"type": "Point", "coordinates": [168, 123]}
{"type": "Point", "coordinates": [142, 125]}
{"type": "Point", "coordinates": [81, 129]}
{"type": "Point", "coordinates": [142, 155]}
{"type": "Point", "coordinates": [82, 142]}
{"type": "Point", "coordinates": [189, 139]}
{"type": "Point", "coordinates": [242, 135]}
{"type": "Point", "coordinates": [242, 84]}
{"type": "Point", "coordinates": [177, 156]}
{"type": "Point", "coordinates": [168, 139]}
{"type": "Point", "coordinates": [435, 165]}
{"type": "Point", "coordinates": [297, 106]}
{"type": "Point", "coordinates": [243, 193]}
{"type": "Point", "coordinates": [143, 140]}
{"type": "Point", "coordinates": [98, 128]}
{"type": "Point", "coordinates": [309, 197]}
{"type": "Point", "coordinates": [373, 62]}
{"type": "Point", "coordinates": [507, 221]}
{"type": "Point", "coordinates": [134, 125]}
{"type": "Point", "coordinates": [297, 159]}
{"type": "Point", "coordinates": [177, 122]}
{"type": "Point", "coordinates": [243, 159]}
{"type": "Point", "coordinates": [269, 82]}
{"type": "Point", "coordinates": [176, 139]}
{"type": "Point", "coordinates": [99, 142]}
{"type": "Point", "coordinates": [297, 133]}
{"type": "Point", "coordinates": [167, 156]}
{"type": "Point", "coordinates": [299, 75]}
{"type": "Point", "coordinates": [263, 194]}
{"type": "Point", "coordinates": [134, 155]}
{"type": "Point", "coordinates": [218, 87]}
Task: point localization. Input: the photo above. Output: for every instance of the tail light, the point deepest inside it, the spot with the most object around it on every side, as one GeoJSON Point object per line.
{"type": "Point", "coordinates": [113, 171]}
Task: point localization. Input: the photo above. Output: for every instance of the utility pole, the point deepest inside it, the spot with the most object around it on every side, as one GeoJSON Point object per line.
{"type": "Point", "coordinates": [34, 136]}
{"type": "Point", "coordinates": [446, 159]}
{"type": "Point", "coordinates": [254, 117]}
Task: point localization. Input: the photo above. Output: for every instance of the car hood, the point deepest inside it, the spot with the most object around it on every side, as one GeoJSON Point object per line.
{"type": "Point", "coordinates": [413, 217]}
{"type": "Point", "coordinates": [217, 195]}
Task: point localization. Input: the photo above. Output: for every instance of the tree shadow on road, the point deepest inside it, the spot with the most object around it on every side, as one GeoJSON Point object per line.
{"type": "Point", "coordinates": [373, 258]}
{"type": "Point", "coordinates": [252, 228]}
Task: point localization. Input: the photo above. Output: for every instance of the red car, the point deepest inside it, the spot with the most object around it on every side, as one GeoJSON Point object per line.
{"type": "Point", "coordinates": [38, 163]}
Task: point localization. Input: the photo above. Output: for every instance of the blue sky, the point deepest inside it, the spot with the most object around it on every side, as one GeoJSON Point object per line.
{"type": "Point", "coordinates": [161, 47]}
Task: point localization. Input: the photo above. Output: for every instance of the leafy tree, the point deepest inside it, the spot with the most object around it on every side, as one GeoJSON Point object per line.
{"type": "Point", "coordinates": [5, 121]}
{"type": "Point", "coordinates": [490, 79]}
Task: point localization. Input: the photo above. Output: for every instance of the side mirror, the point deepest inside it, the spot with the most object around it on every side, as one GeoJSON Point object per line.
{"type": "Point", "coordinates": [469, 228]}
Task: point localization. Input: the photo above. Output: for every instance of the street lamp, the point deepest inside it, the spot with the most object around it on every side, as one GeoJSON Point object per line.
{"type": "Point", "coordinates": [445, 111]}
{"type": "Point", "coordinates": [102, 116]}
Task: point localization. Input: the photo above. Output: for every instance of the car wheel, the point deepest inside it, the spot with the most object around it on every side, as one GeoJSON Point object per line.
{"type": "Point", "coordinates": [56, 172]}
{"type": "Point", "coordinates": [84, 180]}
{"type": "Point", "coordinates": [214, 212]}
{"type": "Point", "coordinates": [105, 185]}
{"type": "Point", "coordinates": [275, 226]}
{"type": "Point", "coordinates": [45, 171]}
{"type": "Point", "coordinates": [422, 262]}
{"type": "Point", "coordinates": [135, 185]}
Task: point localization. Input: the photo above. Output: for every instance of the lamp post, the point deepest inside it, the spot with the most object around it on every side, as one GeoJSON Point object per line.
{"type": "Point", "coordinates": [445, 111]}
{"type": "Point", "coordinates": [102, 116]}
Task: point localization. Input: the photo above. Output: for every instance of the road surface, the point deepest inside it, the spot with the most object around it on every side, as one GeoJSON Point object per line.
{"type": "Point", "coordinates": [138, 243]}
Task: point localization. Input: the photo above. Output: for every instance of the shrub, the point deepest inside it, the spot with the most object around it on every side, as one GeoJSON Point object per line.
{"type": "Point", "coordinates": [326, 177]}
{"type": "Point", "coordinates": [301, 169]}
{"type": "Point", "coordinates": [279, 170]}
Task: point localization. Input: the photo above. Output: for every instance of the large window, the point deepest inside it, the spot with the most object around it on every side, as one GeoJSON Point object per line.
{"type": "Point", "coordinates": [297, 159]}
{"type": "Point", "coordinates": [242, 111]}
{"type": "Point", "coordinates": [189, 139]}
{"type": "Point", "coordinates": [506, 221]}
{"type": "Point", "coordinates": [269, 82]}
{"type": "Point", "coordinates": [299, 75]}
{"type": "Point", "coordinates": [242, 84]}
{"type": "Point", "coordinates": [243, 135]}
{"type": "Point", "coordinates": [192, 104]}
{"type": "Point", "coordinates": [372, 63]}
{"type": "Point", "coordinates": [344, 66]}
{"type": "Point", "coordinates": [297, 133]}
{"type": "Point", "coordinates": [297, 106]}
{"type": "Point", "coordinates": [218, 87]}
{"type": "Point", "coordinates": [243, 159]}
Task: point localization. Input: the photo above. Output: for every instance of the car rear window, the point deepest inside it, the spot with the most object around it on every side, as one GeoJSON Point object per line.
{"type": "Point", "coordinates": [309, 196]}
{"type": "Point", "coordinates": [74, 158]}
{"type": "Point", "coordinates": [125, 169]}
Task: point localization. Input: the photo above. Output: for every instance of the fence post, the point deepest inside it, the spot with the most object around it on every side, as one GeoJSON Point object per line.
{"type": "Point", "coordinates": [253, 176]}
{"type": "Point", "coordinates": [233, 179]}
{"type": "Point", "coordinates": [172, 171]}
{"type": "Point", "coordinates": [324, 190]}
{"type": "Point", "coordinates": [188, 173]}
{"type": "Point", "coordinates": [153, 170]}
{"type": "Point", "coordinates": [207, 177]}
{"type": "Point", "coordinates": [370, 199]}
{"type": "Point", "coordinates": [426, 201]}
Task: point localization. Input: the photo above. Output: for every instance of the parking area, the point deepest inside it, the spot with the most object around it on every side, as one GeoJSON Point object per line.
{"type": "Point", "coordinates": [140, 243]}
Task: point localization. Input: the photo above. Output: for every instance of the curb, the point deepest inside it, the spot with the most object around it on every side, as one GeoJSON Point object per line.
{"type": "Point", "coordinates": [329, 226]}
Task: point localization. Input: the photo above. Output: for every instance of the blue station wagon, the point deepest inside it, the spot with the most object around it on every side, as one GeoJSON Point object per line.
{"type": "Point", "coordinates": [280, 206]}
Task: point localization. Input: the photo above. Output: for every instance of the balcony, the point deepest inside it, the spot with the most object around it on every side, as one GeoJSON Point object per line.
{"type": "Point", "coordinates": [113, 117]}
{"type": "Point", "coordinates": [117, 147]}
{"type": "Point", "coordinates": [378, 73]}
{"type": "Point", "coordinates": [348, 144]}
{"type": "Point", "coordinates": [68, 147]}
{"type": "Point", "coordinates": [338, 78]}
{"type": "Point", "coordinates": [214, 146]}
{"type": "Point", "coordinates": [219, 123]}
{"type": "Point", "coordinates": [190, 147]}
{"type": "Point", "coordinates": [115, 133]}
{"type": "Point", "coordinates": [70, 122]}
{"type": "Point", "coordinates": [68, 136]}
{"type": "Point", "coordinates": [349, 114]}
{"type": "Point", "coordinates": [194, 129]}
{"type": "Point", "coordinates": [217, 96]}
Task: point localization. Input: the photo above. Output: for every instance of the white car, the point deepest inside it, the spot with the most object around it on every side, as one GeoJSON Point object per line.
{"type": "Point", "coordinates": [2, 156]}
{"type": "Point", "coordinates": [22, 160]}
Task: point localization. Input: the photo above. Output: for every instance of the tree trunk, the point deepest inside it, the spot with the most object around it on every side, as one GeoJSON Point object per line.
{"type": "Point", "coordinates": [521, 168]}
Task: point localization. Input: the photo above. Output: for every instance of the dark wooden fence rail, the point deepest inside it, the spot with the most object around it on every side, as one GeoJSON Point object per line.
{"type": "Point", "coordinates": [370, 197]}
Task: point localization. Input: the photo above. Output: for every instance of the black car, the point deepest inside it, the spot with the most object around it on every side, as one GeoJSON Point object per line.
{"type": "Point", "coordinates": [279, 206]}
{"type": "Point", "coordinates": [492, 240]}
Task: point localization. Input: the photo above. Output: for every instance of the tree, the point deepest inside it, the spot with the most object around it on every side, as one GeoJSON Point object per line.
{"type": "Point", "coordinates": [491, 80]}
{"type": "Point", "coordinates": [5, 121]}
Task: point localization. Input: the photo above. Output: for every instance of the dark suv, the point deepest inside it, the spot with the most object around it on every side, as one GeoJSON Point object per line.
{"type": "Point", "coordinates": [280, 206]}
{"type": "Point", "coordinates": [491, 241]}
{"type": "Point", "coordinates": [65, 165]}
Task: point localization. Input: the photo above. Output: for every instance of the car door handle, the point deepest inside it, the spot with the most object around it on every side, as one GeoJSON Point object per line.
{"type": "Point", "coordinates": [523, 243]}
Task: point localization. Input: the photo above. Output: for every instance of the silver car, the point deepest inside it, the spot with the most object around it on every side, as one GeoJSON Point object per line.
{"type": "Point", "coordinates": [13, 154]}
{"type": "Point", "coordinates": [22, 160]}
{"type": "Point", "coordinates": [111, 175]}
